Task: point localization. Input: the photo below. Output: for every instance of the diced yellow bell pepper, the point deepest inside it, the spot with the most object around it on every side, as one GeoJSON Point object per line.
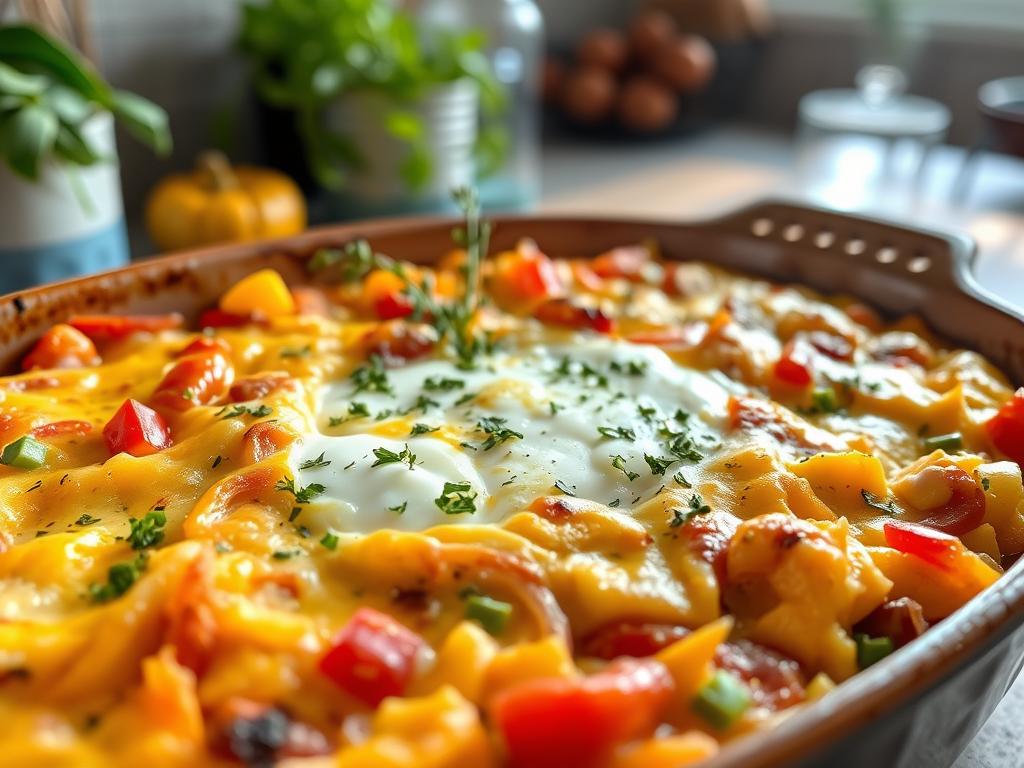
{"type": "Point", "coordinates": [263, 293]}
{"type": "Point", "coordinates": [689, 660]}
{"type": "Point", "coordinates": [527, 661]}
{"type": "Point", "coordinates": [670, 752]}
{"type": "Point", "coordinates": [838, 479]}
{"type": "Point", "coordinates": [461, 662]}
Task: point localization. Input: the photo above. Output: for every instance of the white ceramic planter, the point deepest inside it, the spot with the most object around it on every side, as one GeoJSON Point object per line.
{"type": "Point", "coordinates": [450, 115]}
{"type": "Point", "coordinates": [69, 222]}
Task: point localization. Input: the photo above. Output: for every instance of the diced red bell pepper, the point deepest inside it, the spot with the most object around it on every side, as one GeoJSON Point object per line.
{"type": "Point", "coordinates": [558, 722]}
{"type": "Point", "coordinates": [793, 368]}
{"type": "Point", "coordinates": [1006, 428]}
{"type": "Point", "coordinates": [965, 509]}
{"type": "Point", "coordinates": [626, 261]}
{"type": "Point", "coordinates": [265, 438]}
{"type": "Point", "coordinates": [198, 378]}
{"type": "Point", "coordinates": [205, 344]}
{"type": "Point", "coordinates": [255, 387]}
{"type": "Point", "coordinates": [524, 278]}
{"type": "Point", "coordinates": [112, 327]}
{"type": "Point", "coordinates": [393, 306]}
{"type": "Point", "coordinates": [929, 544]}
{"type": "Point", "coordinates": [61, 347]}
{"type": "Point", "coordinates": [136, 429]}
{"type": "Point", "coordinates": [564, 313]}
{"type": "Point", "coordinates": [373, 657]}
{"type": "Point", "coordinates": [630, 638]}
{"type": "Point", "coordinates": [60, 428]}
{"type": "Point", "coordinates": [835, 346]}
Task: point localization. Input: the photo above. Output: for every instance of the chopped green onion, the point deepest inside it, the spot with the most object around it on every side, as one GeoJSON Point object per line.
{"type": "Point", "coordinates": [492, 614]}
{"type": "Point", "coordinates": [824, 400]}
{"type": "Point", "coordinates": [25, 452]}
{"type": "Point", "coordinates": [871, 649]}
{"type": "Point", "coordinates": [722, 700]}
{"type": "Point", "coordinates": [330, 540]}
{"type": "Point", "coordinates": [951, 442]}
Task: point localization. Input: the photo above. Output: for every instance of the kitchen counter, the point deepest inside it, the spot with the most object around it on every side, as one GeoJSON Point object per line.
{"type": "Point", "coordinates": [724, 169]}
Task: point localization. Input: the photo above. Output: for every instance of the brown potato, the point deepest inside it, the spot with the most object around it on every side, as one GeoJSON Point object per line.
{"type": "Point", "coordinates": [646, 105]}
{"type": "Point", "coordinates": [588, 94]}
{"type": "Point", "coordinates": [687, 63]}
{"type": "Point", "coordinates": [604, 48]}
{"type": "Point", "coordinates": [649, 32]}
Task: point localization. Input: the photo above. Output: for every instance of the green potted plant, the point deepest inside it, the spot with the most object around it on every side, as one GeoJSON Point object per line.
{"type": "Point", "coordinates": [385, 115]}
{"type": "Point", "coordinates": [62, 212]}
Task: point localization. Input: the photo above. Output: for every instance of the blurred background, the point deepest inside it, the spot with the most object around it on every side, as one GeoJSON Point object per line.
{"type": "Point", "coordinates": [284, 112]}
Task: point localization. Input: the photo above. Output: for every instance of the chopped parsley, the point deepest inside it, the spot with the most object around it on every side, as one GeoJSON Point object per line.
{"type": "Point", "coordinates": [302, 495]}
{"type": "Point", "coordinates": [621, 433]}
{"type": "Point", "coordinates": [696, 507]}
{"type": "Point", "coordinates": [399, 508]}
{"type": "Point", "coordinates": [658, 465]}
{"type": "Point", "coordinates": [372, 377]}
{"type": "Point", "coordinates": [678, 477]}
{"type": "Point", "coordinates": [565, 488]}
{"type": "Point", "coordinates": [149, 531]}
{"type": "Point", "coordinates": [422, 429]}
{"type": "Point", "coordinates": [442, 385]}
{"type": "Point", "coordinates": [457, 499]}
{"type": "Point", "coordinates": [120, 578]}
{"type": "Point", "coordinates": [874, 502]}
{"type": "Point", "coordinates": [234, 411]}
{"type": "Point", "coordinates": [87, 519]}
{"type": "Point", "coordinates": [824, 400]}
{"type": "Point", "coordinates": [555, 407]}
{"type": "Point", "coordinates": [496, 431]}
{"type": "Point", "coordinates": [423, 403]}
{"type": "Point", "coordinates": [356, 410]}
{"type": "Point", "coordinates": [630, 367]}
{"type": "Point", "coordinates": [292, 352]}
{"type": "Point", "coordinates": [985, 483]}
{"type": "Point", "coordinates": [387, 456]}
{"type": "Point", "coordinates": [619, 463]}
{"type": "Point", "coordinates": [315, 463]}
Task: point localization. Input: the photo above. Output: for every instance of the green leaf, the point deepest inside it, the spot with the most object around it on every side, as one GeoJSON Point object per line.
{"type": "Point", "coordinates": [71, 145]}
{"type": "Point", "coordinates": [144, 119]}
{"type": "Point", "coordinates": [70, 106]}
{"type": "Point", "coordinates": [27, 45]}
{"type": "Point", "coordinates": [407, 126]}
{"type": "Point", "coordinates": [15, 83]}
{"type": "Point", "coordinates": [28, 137]}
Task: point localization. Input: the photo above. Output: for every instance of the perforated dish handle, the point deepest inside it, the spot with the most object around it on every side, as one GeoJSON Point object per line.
{"type": "Point", "coordinates": [939, 260]}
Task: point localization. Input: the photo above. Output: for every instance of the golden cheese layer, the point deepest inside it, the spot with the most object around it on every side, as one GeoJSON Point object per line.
{"type": "Point", "coordinates": [745, 491]}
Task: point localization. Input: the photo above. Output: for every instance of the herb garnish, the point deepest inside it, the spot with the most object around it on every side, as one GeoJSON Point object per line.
{"type": "Point", "coordinates": [120, 578]}
{"type": "Point", "coordinates": [619, 463]}
{"type": "Point", "coordinates": [622, 433]}
{"type": "Point", "coordinates": [302, 495]}
{"type": "Point", "coordinates": [330, 540]}
{"type": "Point", "coordinates": [315, 463]}
{"type": "Point", "coordinates": [386, 456]}
{"type": "Point", "coordinates": [497, 432]}
{"type": "Point", "coordinates": [149, 531]}
{"type": "Point", "coordinates": [874, 502]}
{"type": "Point", "coordinates": [372, 377]}
{"type": "Point", "coordinates": [442, 385]}
{"type": "Point", "coordinates": [630, 367]}
{"type": "Point", "coordinates": [560, 485]}
{"type": "Point", "coordinates": [399, 508]}
{"type": "Point", "coordinates": [87, 519]}
{"type": "Point", "coordinates": [456, 499]}
{"type": "Point", "coordinates": [696, 507]}
{"type": "Point", "coordinates": [678, 477]}
{"type": "Point", "coordinates": [422, 429]}
{"type": "Point", "coordinates": [658, 465]}
{"type": "Point", "coordinates": [234, 411]}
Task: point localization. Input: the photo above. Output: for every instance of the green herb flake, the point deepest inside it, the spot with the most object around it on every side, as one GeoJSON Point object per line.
{"type": "Point", "coordinates": [457, 498]}
{"type": "Point", "coordinates": [302, 495]}
{"type": "Point", "coordinates": [329, 540]}
{"type": "Point", "coordinates": [658, 465]}
{"type": "Point", "coordinates": [316, 463]}
{"type": "Point", "coordinates": [496, 431]}
{"type": "Point", "coordinates": [387, 456]}
{"type": "Point", "coordinates": [399, 509]}
{"type": "Point", "coordinates": [87, 519]}
{"type": "Point", "coordinates": [372, 377]}
{"type": "Point", "coordinates": [147, 532]}
{"type": "Point", "coordinates": [617, 433]}
{"type": "Point", "coordinates": [619, 463]}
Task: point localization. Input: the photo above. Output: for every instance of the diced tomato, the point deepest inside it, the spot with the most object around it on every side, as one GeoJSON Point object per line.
{"type": "Point", "coordinates": [630, 638]}
{"type": "Point", "coordinates": [564, 313]}
{"type": "Point", "coordinates": [393, 306]}
{"type": "Point", "coordinates": [265, 438]}
{"type": "Point", "coordinates": [929, 544]}
{"type": "Point", "coordinates": [112, 327]}
{"type": "Point", "coordinates": [61, 347]}
{"type": "Point", "coordinates": [136, 429]}
{"type": "Point", "coordinates": [559, 722]}
{"type": "Point", "coordinates": [626, 261]}
{"type": "Point", "coordinates": [218, 318]}
{"type": "Point", "coordinates": [793, 368]}
{"type": "Point", "coordinates": [205, 344]}
{"type": "Point", "coordinates": [965, 509]}
{"type": "Point", "coordinates": [255, 387]}
{"type": "Point", "coordinates": [198, 378]}
{"type": "Point", "coordinates": [1006, 428]}
{"type": "Point", "coordinates": [585, 277]}
{"type": "Point", "coordinates": [864, 315]}
{"type": "Point", "coordinates": [835, 346]}
{"type": "Point", "coordinates": [61, 428]}
{"type": "Point", "coordinates": [373, 657]}
{"type": "Point", "coordinates": [774, 681]}
{"type": "Point", "coordinates": [398, 342]}
{"type": "Point", "coordinates": [523, 278]}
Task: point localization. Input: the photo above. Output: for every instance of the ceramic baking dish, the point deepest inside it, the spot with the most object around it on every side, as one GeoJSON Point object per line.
{"type": "Point", "coordinates": [918, 707]}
